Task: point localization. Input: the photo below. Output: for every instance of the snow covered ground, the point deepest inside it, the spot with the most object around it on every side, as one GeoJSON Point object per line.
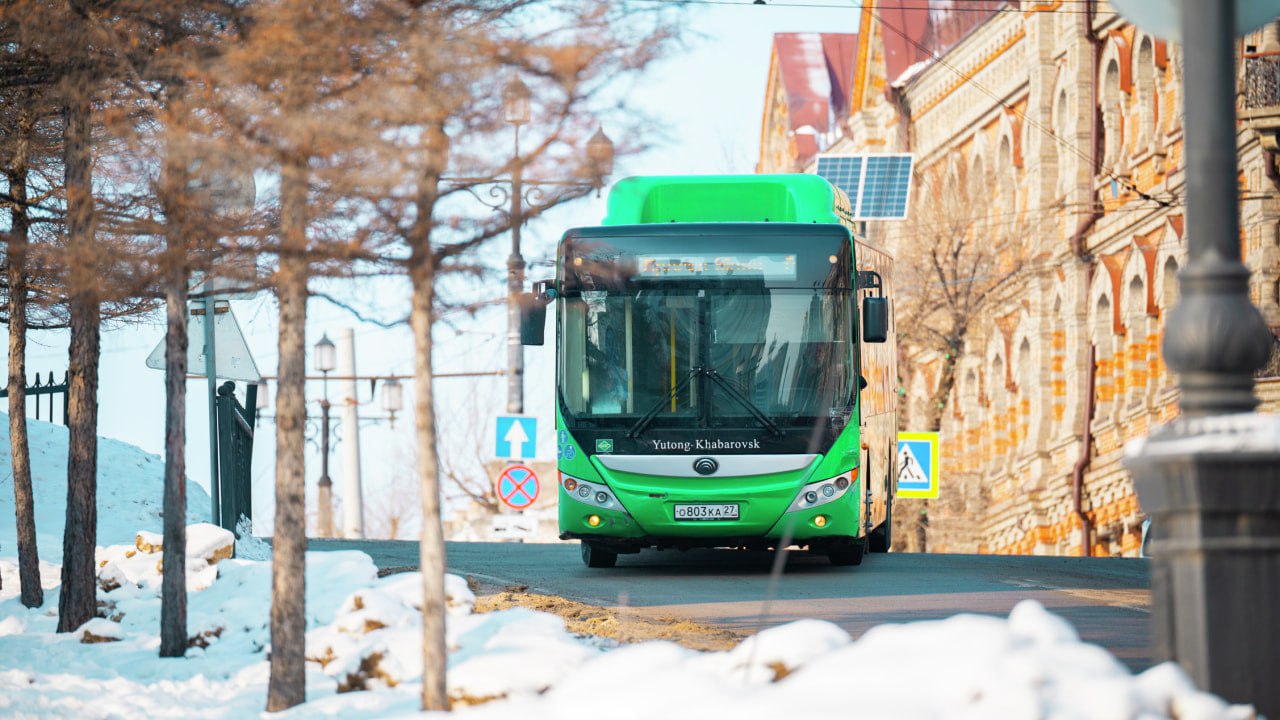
{"type": "Point", "coordinates": [363, 643]}
{"type": "Point", "coordinates": [130, 490]}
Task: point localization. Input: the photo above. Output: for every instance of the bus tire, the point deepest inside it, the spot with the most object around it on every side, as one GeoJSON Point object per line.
{"type": "Point", "coordinates": [596, 556]}
{"type": "Point", "coordinates": [846, 555]}
{"type": "Point", "coordinates": [881, 538]}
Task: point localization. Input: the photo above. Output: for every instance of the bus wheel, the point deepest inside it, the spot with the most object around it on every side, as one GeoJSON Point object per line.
{"type": "Point", "coordinates": [881, 538]}
{"type": "Point", "coordinates": [596, 556]}
{"type": "Point", "coordinates": [850, 554]}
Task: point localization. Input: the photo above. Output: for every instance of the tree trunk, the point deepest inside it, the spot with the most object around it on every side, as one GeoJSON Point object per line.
{"type": "Point", "coordinates": [24, 502]}
{"type": "Point", "coordinates": [939, 400]}
{"type": "Point", "coordinates": [431, 553]}
{"type": "Point", "coordinates": [173, 603]}
{"type": "Point", "coordinates": [77, 602]}
{"type": "Point", "coordinates": [287, 685]}
{"type": "Point", "coordinates": [431, 549]}
{"type": "Point", "coordinates": [941, 395]}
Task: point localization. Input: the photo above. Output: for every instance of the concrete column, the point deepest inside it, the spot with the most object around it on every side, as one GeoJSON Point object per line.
{"type": "Point", "coordinates": [352, 492]}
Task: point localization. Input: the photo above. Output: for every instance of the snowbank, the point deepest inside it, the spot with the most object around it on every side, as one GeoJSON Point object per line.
{"type": "Point", "coordinates": [130, 490]}
{"type": "Point", "coordinates": [364, 634]}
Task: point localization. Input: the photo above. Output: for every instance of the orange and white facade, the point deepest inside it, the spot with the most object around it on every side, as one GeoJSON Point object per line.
{"type": "Point", "coordinates": [1066, 123]}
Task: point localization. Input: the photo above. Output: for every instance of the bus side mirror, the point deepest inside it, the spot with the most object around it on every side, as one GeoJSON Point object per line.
{"type": "Point", "coordinates": [875, 319]}
{"type": "Point", "coordinates": [533, 313]}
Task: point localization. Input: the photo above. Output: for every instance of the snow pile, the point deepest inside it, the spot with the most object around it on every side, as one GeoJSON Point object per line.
{"type": "Point", "coordinates": [130, 490]}
{"type": "Point", "coordinates": [364, 633]}
{"type": "Point", "coordinates": [141, 565]}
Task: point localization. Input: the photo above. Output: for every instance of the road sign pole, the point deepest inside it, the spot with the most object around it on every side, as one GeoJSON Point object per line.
{"type": "Point", "coordinates": [210, 352]}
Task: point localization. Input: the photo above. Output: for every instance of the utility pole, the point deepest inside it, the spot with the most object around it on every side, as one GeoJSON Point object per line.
{"type": "Point", "coordinates": [210, 371]}
{"type": "Point", "coordinates": [352, 489]}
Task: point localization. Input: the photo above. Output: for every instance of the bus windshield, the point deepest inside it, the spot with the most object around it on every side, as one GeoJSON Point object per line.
{"type": "Point", "coordinates": [700, 340]}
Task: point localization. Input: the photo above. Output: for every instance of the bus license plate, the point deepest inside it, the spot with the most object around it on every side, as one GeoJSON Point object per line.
{"type": "Point", "coordinates": [706, 511]}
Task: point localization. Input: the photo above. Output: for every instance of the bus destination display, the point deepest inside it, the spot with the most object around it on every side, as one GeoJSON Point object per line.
{"type": "Point", "coordinates": [767, 266]}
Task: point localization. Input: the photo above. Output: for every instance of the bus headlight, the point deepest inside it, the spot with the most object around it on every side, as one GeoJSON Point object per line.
{"type": "Point", "coordinates": [822, 492]}
{"type": "Point", "coordinates": [592, 494]}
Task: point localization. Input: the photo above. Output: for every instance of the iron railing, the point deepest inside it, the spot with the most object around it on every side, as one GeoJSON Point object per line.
{"type": "Point", "coordinates": [41, 388]}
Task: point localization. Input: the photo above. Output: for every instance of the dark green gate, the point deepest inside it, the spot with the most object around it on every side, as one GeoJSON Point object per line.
{"type": "Point", "coordinates": [235, 454]}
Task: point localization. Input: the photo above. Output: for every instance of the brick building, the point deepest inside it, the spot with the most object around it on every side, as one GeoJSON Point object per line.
{"type": "Point", "coordinates": [1051, 131]}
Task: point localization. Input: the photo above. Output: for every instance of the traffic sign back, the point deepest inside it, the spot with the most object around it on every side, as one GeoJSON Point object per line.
{"type": "Point", "coordinates": [517, 487]}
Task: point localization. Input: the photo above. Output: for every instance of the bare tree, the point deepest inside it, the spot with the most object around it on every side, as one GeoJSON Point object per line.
{"type": "Point", "coordinates": [959, 253]}
{"type": "Point", "coordinates": [289, 85]}
{"type": "Point", "coordinates": [19, 136]}
{"type": "Point", "coordinates": [442, 85]}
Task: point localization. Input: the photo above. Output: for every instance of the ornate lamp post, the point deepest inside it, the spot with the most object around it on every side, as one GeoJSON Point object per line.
{"type": "Point", "coordinates": [326, 359]}
{"type": "Point", "coordinates": [392, 398]}
{"type": "Point", "coordinates": [1211, 479]}
{"type": "Point", "coordinates": [516, 111]}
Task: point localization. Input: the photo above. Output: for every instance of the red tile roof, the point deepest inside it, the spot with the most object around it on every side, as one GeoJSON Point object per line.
{"type": "Point", "coordinates": [817, 72]}
{"type": "Point", "coordinates": [918, 30]}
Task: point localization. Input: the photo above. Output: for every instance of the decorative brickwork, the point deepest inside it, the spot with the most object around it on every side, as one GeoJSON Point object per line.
{"type": "Point", "coordinates": [1006, 114]}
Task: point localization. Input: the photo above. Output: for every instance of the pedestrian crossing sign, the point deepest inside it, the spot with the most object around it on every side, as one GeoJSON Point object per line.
{"type": "Point", "coordinates": [918, 465]}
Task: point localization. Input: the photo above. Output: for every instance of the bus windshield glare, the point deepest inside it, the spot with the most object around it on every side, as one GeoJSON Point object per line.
{"type": "Point", "coordinates": [741, 333]}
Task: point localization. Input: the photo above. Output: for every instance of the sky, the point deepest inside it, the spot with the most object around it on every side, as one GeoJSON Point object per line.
{"type": "Point", "coordinates": [708, 98]}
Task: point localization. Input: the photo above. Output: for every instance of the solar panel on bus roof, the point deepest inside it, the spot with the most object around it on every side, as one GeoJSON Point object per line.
{"type": "Point", "coordinates": [878, 186]}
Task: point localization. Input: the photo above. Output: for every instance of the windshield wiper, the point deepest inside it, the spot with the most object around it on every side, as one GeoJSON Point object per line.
{"type": "Point", "coordinates": [742, 400]}
{"type": "Point", "coordinates": [643, 422]}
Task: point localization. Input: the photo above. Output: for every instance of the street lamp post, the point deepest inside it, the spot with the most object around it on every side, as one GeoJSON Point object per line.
{"type": "Point", "coordinates": [516, 112]}
{"type": "Point", "coordinates": [1211, 479]}
{"type": "Point", "coordinates": [325, 360]}
{"type": "Point", "coordinates": [515, 105]}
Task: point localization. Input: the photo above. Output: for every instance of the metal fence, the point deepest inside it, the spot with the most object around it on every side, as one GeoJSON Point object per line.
{"type": "Point", "coordinates": [235, 455]}
{"type": "Point", "coordinates": [41, 395]}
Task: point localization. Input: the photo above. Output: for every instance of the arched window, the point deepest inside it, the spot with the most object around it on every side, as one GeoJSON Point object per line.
{"type": "Point", "coordinates": [1111, 114]}
{"type": "Point", "coordinates": [973, 435]}
{"type": "Point", "coordinates": [999, 407]}
{"type": "Point", "coordinates": [1147, 100]}
{"type": "Point", "coordinates": [979, 192]}
{"type": "Point", "coordinates": [1136, 320]}
{"type": "Point", "coordinates": [1168, 299]}
{"type": "Point", "coordinates": [1004, 175]}
{"type": "Point", "coordinates": [1062, 135]}
{"type": "Point", "coordinates": [1104, 360]}
{"type": "Point", "coordinates": [1027, 387]}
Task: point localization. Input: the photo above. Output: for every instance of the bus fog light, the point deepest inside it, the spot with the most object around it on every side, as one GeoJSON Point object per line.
{"type": "Point", "coordinates": [820, 521]}
{"type": "Point", "coordinates": [594, 521]}
{"type": "Point", "coordinates": [811, 497]}
{"type": "Point", "coordinates": [570, 484]}
{"type": "Point", "coordinates": [842, 482]}
{"type": "Point", "coordinates": [828, 491]}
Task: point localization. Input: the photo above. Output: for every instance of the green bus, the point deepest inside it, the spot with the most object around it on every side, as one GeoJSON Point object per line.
{"type": "Point", "coordinates": [725, 373]}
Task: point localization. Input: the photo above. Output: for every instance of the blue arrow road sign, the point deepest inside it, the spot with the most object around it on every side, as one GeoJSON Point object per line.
{"type": "Point", "coordinates": [516, 436]}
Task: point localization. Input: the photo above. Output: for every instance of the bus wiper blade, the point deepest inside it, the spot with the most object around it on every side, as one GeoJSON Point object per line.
{"type": "Point", "coordinates": [643, 423]}
{"type": "Point", "coordinates": [751, 407]}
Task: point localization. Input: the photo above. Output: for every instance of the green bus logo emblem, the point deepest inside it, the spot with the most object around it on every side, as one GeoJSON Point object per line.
{"type": "Point", "coordinates": [604, 445]}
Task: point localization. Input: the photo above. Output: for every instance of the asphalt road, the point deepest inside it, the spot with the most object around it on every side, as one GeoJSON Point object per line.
{"type": "Point", "coordinates": [1107, 599]}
